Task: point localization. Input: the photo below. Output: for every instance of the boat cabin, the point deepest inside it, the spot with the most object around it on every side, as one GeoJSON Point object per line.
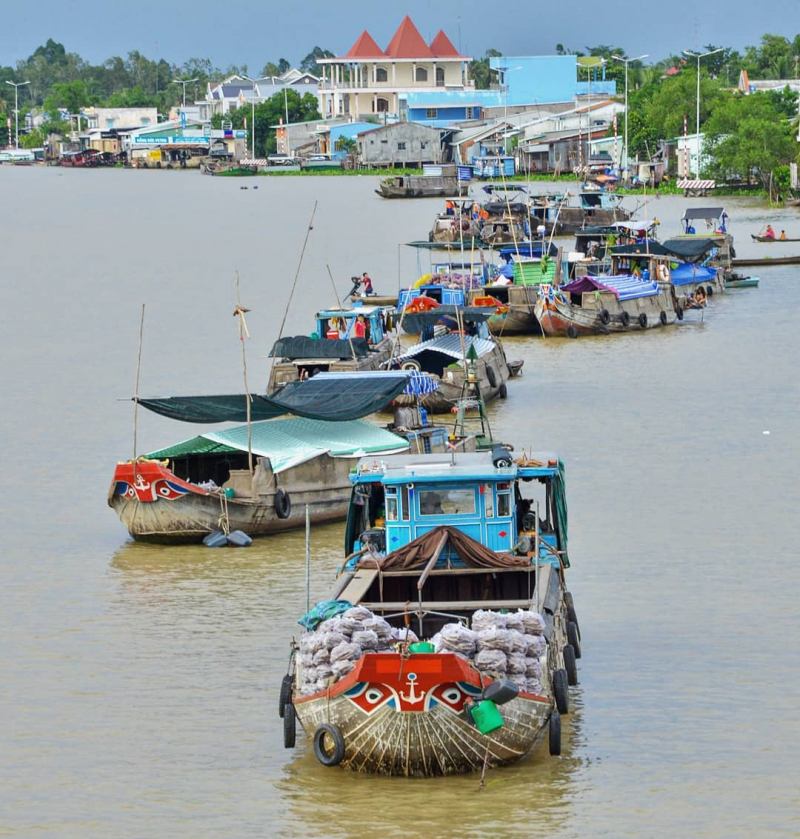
{"type": "Point", "coordinates": [399, 498]}
{"type": "Point", "coordinates": [343, 320]}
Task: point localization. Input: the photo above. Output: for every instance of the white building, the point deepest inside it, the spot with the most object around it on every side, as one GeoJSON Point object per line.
{"type": "Point", "coordinates": [369, 80]}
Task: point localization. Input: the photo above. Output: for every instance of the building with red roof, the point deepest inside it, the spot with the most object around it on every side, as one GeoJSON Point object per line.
{"type": "Point", "coordinates": [370, 80]}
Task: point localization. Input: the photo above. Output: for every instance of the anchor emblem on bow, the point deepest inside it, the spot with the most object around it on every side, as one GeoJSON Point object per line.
{"type": "Point", "coordinates": [412, 697]}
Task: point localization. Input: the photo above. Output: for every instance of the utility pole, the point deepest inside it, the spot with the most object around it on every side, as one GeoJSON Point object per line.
{"type": "Point", "coordinates": [626, 62]}
{"type": "Point", "coordinates": [16, 86]}
{"type": "Point", "coordinates": [184, 82]}
{"type": "Point", "coordinates": [698, 56]}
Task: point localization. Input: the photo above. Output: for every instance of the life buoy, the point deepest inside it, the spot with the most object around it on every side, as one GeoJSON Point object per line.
{"type": "Point", "coordinates": [605, 316]}
{"type": "Point", "coordinates": [283, 504]}
{"type": "Point", "coordinates": [662, 272]}
{"type": "Point", "coordinates": [329, 744]}
{"type": "Point", "coordinates": [662, 317]}
{"type": "Point", "coordinates": [625, 319]}
{"type": "Point", "coordinates": [643, 320]}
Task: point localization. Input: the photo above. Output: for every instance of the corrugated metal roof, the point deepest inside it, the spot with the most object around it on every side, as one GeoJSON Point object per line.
{"type": "Point", "coordinates": [450, 345]}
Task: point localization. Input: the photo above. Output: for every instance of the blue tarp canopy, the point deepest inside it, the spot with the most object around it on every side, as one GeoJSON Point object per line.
{"type": "Point", "coordinates": [687, 273]}
{"type": "Point", "coordinates": [623, 287]}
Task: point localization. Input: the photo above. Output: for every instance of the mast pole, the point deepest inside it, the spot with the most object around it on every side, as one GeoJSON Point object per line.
{"type": "Point", "coordinates": [136, 392]}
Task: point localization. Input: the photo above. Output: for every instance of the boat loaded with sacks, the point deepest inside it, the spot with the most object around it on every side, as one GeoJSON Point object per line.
{"type": "Point", "coordinates": [256, 477]}
{"type": "Point", "coordinates": [450, 640]}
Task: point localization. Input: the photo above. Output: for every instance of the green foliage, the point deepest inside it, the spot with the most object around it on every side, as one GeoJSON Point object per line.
{"type": "Point", "coordinates": [69, 95]}
{"type": "Point", "coordinates": [347, 144]}
{"type": "Point", "coordinates": [749, 137]}
{"type": "Point", "coordinates": [481, 73]}
{"type": "Point", "coordinates": [272, 69]}
{"type": "Point", "coordinates": [271, 113]}
{"type": "Point", "coordinates": [33, 139]}
{"type": "Point", "coordinates": [309, 63]}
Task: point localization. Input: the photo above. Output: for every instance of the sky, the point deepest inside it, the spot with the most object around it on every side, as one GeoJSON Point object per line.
{"type": "Point", "coordinates": [253, 32]}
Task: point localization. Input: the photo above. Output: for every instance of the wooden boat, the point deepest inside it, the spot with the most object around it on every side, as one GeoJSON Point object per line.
{"type": "Point", "coordinates": [744, 262]}
{"type": "Point", "coordinates": [435, 543]}
{"type": "Point", "coordinates": [302, 357]}
{"type": "Point", "coordinates": [494, 222]}
{"type": "Point", "coordinates": [182, 493]}
{"type": "Point", "coordinates": [770, 239]}
{"type": "Point", "coordinates": [737, 281]}
{"type": "Point", "coordinates": [616, 302]}
{"type": "Point", "coordinates": [595, 207]}
{"type": "Point", "coordinates": [435, 182]}
{"type": "Point", "coordinates": [455, 360]}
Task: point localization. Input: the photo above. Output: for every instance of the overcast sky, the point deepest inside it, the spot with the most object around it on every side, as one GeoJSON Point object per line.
{"type": "Point", "coordinates": [252, 33]}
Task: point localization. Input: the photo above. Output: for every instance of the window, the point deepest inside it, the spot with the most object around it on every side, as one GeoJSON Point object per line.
{"type": "Point", "coordinates": [446, 502]}
{"type": "Point", "coordinates": [431, 113]}
{"type": "Point", "coordinates": [468, 113]}
{"type": "Point", "coordinates": [503, 504]}
{"type": "Point", "coordinates": [440, 76]}
{"type": "Point", "coordinates": [488, 500]}
{"type": "Point", "coordinates": [391, 506]}
{"type": "Point", "coordinates": [401, 147]}
{"type": "Point", "coordinates": [406, 512]}
{"type": "Point", "coordinates": [421, 75]}
{"type": "Point", "coordinates": [381, 75]}
{"type": "Point", "coordinates": [423, 145]}
{"type": "Point", "coordinates": [382, 106]}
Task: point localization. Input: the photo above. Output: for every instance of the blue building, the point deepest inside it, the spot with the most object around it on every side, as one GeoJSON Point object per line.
{"type": "Point", "coordinates": [525, 81]}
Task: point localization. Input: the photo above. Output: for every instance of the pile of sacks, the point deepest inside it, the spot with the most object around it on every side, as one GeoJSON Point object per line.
{"type": "Point", "coordinates": [500, 645]}
{"type": "Point", "coordinates": [333, 648]}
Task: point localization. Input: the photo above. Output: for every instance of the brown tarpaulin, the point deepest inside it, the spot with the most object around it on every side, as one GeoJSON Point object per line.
{"type": "Point", "coordinates": [416, 554]}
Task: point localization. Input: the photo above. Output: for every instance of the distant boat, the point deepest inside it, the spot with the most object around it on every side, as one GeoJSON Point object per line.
{"type": "Point", "coordinates": [756, 238]}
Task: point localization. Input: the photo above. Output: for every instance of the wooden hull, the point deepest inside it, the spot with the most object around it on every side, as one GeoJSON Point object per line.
{"type": "Point", "coordinates": [778, 260]}
{"type": "Point", "coordinates": [766, 239]}
{"type": "Point", "coordinates": [560, 318]}
{"type": "Point", "coordinates": [573, 219]}
{"type": "Point", "coordinates": [520, 319]}
{"type": "Point", "coordinates": [322, 483]}
{"type": "Point", "coordinates": [406, 716]}
{"type": "Point", "coordinates": [745, 282]}
{"type": "Point", "coordinates": [288, 371]}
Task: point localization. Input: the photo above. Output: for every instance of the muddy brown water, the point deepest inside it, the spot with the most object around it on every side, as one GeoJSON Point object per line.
{"type": "Point", "coordinates": [139, 683]}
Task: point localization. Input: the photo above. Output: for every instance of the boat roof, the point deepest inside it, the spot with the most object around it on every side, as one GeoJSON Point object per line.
{"type": "Point", "coordinates": [358, 309]}
{"type": "Point", "coordinates": [703, 213]}
{"type": "Point", "coordinates": [451, 345]}
{"type": "Point", "coordinates": [446, 467]}
{"type": "Point", "coordinates": [623, 287]}
{"type": "Point", "coordinates": [290, 442]}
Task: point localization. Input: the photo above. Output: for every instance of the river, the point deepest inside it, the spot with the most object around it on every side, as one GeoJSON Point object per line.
{"type": "Point", "coordinates": [139, 683]}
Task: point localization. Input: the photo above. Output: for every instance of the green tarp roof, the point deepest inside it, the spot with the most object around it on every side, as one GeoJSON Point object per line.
{"type": "Point", "coordinates": [289, 442]}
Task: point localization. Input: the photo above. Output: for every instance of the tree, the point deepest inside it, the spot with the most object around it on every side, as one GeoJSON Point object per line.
{"type": "Point", "coordinates": [749, 137]}
{"type": "Point", "coordinates": [71, 96]}
{"type": "Point", "coordinates": [309, 63]}
{"type": "Point", "coordinates": [347, 144]}
{"type": "Point", "coordinates": [273, 69]}
{"type": "Point", "coordinates": [480, 71]}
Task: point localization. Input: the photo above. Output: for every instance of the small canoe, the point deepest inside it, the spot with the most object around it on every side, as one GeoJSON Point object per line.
{"type": "Point", "coordinates": [770, 239]}
{"type": "Point", "coordinates": [742, 282]}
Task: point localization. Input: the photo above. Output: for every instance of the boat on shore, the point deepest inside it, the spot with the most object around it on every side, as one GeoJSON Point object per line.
{"type": "Point", "coordinates": [450, 640]}
{"type": "Point", "coordinates": [434, 182]}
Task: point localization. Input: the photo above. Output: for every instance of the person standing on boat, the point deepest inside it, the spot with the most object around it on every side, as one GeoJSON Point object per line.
{"type": "Point", "coordinates": [366, 283]}
{"type": "Point", "coordinates": [360, 327]}
{"type": "Point", "coordinates": [449, 208]}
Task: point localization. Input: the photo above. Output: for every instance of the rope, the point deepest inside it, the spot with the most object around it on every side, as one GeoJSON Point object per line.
{"type": "Point", "coordinates": [296, 275]}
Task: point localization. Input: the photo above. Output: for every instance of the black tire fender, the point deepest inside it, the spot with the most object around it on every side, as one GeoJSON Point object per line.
{"type": "Point", "coordinates": [662, 317]}
{"type": "Point", "coordinates": [491, 376]}
{"type": "Point", "coordinates": [334, 755]}
{"type": "Point", "coordinates": [283, 504]}
{"type": "Point", "coordinates": [285, 696]}
{"type": "Point", "coordinates": [625, 319]}
{"type": "Point", "coordinates": [289, 726]}
{"type": "Point", "coordinates": [561, 690]}
{"type": "Point", "coordinates": [709, 291]}
{"type": "Point", "coordinates": [502, 391]}
{"type": "Point", "coordinates": [572, 332]}
{"type": "Point", "coordinates": [605, 316]}
{"type": "Point", "coordinates": [574, 638]}
{"type": "Point", "coordinates": [554, 733]}
{"type": "Point", "coordinates": [570, 665]}
{"type": "Point", "coordinates": [679, 312]}
{"type": "Point", "coordinates": [572, 615]}
{"type": "Point", "coordinates": [643, 320]}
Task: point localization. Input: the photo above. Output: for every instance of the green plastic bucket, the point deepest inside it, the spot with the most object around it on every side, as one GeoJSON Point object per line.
{"type": "Point", "coordinates": [486, 716]}
{"type": "Point", "coordinates": [421, 647]}
{"type": "Point", "coordinates": [230, 492]}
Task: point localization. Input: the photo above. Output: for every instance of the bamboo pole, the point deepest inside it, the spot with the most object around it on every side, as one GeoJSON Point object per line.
{"type": "Point", "coordinates": [136, 393]}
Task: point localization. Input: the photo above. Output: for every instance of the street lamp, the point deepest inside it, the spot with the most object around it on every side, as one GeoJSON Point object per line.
{"type": "Point", "coordinates": [698, 56]}
{"type": "Point", "coordinates": [184, 82]}
{"type": "Point", "coordinates": [16, 86]}
{"type": "Point", "coordinates": [253, 113]}
{"type": "Point", "coordinates": [626, 62]}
